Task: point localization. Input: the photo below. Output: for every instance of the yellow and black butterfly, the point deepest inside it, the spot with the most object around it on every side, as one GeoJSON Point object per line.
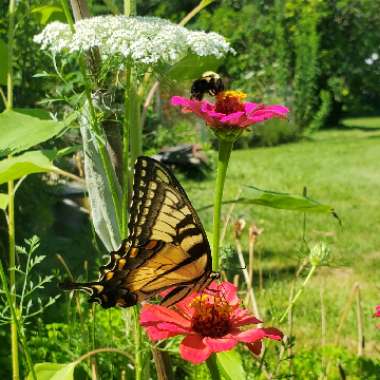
{"type": "Point", "coordinates": [167, 246]}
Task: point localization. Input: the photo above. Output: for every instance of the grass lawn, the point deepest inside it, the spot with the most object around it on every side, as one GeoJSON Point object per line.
{"type": "Point", "coordinates": [362, 122]}
{"type": "Point", "coordinates": [340, 168]}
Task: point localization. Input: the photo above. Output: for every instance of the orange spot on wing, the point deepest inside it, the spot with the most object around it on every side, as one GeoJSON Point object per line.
{"type": "Point", "coordinates": [121, 263]}
{"type": "Point", "coordinates": [133, 252]}
{"type": "Point", "coordinates": [151, 245]}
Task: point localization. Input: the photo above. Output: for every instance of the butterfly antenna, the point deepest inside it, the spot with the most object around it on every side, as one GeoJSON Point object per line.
{"type": "Point", "coordinates": [69, 285]}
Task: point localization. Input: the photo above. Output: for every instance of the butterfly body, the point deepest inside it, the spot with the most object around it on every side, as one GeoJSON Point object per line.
{"type": "Point", "coordinates": [167, 246]}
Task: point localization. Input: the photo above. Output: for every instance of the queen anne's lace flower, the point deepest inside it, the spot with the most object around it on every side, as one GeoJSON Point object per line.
{"type": "Point", "coordinates": [146, 40]}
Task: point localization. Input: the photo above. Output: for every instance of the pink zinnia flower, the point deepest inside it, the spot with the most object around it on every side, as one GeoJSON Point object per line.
{"type": "Point", "coordinates": [230, 111]}
{"type": "Point", "coordinates": [377, 313]}
{"type": "Point", "coordinates": [211, 322]}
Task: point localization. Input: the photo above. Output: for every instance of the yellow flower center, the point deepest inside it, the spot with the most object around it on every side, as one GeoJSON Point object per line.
{"type": "Point", "coordinates": [211, 316]}
{"type": "Point", "coordinates": [229, 102]}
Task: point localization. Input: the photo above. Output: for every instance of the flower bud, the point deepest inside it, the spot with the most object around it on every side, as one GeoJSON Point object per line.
{"type": "Point", "coordinates": [239, 227]}
{"type": "Point", "coordinates": [319, 254]}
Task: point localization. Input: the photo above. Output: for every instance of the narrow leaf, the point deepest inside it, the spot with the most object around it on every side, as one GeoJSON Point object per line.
{"type": "Point", "coordinates": [285, 201]}
{"type": "Point", "coordinates": [46, 13]}
{"type": "Point", "coordinates": [19, 131]}
{"type": "Point", "coordinates": [3, 201]}
{"type": "Point", "coordinates": [192, 67]}
{"type": "Point", "coordinates": [230, 365]}
{"type": "Point", "coordinates": [53, 371]}
{"type": "Point", "coordinates": [102, 210]}
{"type": "Point", "coordinates": [3, 62]}
{"type": "Point", "coordinates": [37, 161]}
{"type": "Point", "coordinates": [36, 112]}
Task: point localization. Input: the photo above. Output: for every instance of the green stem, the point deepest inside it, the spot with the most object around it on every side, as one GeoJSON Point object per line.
{"type": "Point", "coordinates": [194, 12]}
{"type": "Point", "coordinates": [300, 291]}
{"type": "Point", "coordinates": [225, 148]}
{"type": "Point", "coordinates": [66, 11]}
{"type": "Point", "coordinates": [16, 322]}
{"type": "Point", "coordinates": [127, 180]}
{"type": "Point", "coordinates": [130, 7]}
{"type": "Point", "coordinates": [100, 350]}
{"type": "Point", "coordinates": [213, 368]}
{"type": "Point", "coordinates": [137, 341]}
{"type": "Point", "coordinates": [11, 214]}
{"type": "Point", "coordinates": [12, 277]}
{"type": "Point", "coordinates": [135, 126]}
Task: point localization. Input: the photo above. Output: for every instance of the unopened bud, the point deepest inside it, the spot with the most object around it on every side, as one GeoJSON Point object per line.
{"type": "Point", "coordinates": [319, 254]}
{"type": "Point", "coordinates": [254, 232]}
{"type": "Point", "coordinates": [239, 227]}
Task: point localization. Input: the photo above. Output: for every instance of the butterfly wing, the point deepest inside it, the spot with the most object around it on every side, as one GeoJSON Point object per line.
{"type": "Point", "coordinates": [167, 246]}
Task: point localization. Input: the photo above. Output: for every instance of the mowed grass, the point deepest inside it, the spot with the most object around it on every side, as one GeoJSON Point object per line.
{"type": "Point", "coordinates": [362, 122]}
{"type": "Point", "coordinates": [339, 168]}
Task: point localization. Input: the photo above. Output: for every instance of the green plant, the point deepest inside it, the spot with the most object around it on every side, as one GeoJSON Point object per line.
{"type": "Point", "coordinates": [320, 117]}
{"type": "Point", "coordinates": [28, 304]}
{"type": "Point", "coordinates": [306, 45]}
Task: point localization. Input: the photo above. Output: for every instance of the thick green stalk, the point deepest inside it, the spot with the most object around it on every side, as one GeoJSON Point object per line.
{"type": "Point", "coordinates": [225, 148]}
{"type": "Point", "coordinates": [130, 7]}
{"type": "Point", "coordinates": [11, 214]}
{"type": "Point", "coordinates": [300, 291]}
{"type": "Point", "coordinates": [66, 11]}
{"type": "Point", "coordinates": [137, 341]}
{"type": "Point", "coordinates": [213, 368]}
{"type": "Point", "coordinates": [15, 321]}
{"type": "Point", "coordinates": [127, 178]}
{"type": "Point", "coordinates": [12, 278]}
{"type": "Point", "coordinates": [135, 126]}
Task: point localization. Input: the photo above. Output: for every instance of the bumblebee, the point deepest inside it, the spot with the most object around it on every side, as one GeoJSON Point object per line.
{"type": "Point", "coordinates": [210, 83]}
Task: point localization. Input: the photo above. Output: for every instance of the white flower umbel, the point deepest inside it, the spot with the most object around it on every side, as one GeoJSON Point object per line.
{"type": "Point", "coordinates": [146, 40]}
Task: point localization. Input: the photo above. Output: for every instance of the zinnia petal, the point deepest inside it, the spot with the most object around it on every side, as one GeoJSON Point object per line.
{"type": "Point", "coordinates": [180, 101]}
{"type": "Point", "coordinates": [220, 344]}
{"type": "Point", "coordinates": [194, 350]}
{"type": "Point", "coordinates": [229, 292]}
{"type": "Point", "coordinates": [153, 314]}
{"type": "Point", "coordinates": [255, 347]}
{"type": "Point", "coordinates": [235, 118]}
{"type": "Point", "coordinates": [253, 335]}
{"type": "Point", "coordinates": [249, 107]}
{"type": "Point", "coordinates": [241, 317]}
{"type": "Point", "coordinates": [155, 333]}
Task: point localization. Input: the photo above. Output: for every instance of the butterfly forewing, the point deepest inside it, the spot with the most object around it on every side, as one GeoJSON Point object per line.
{"type": "Point", "coordinates": [166, 248]}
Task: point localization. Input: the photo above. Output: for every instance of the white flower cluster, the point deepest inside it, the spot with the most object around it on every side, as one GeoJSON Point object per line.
{"type": "Point", "coordinates": [146, 40]}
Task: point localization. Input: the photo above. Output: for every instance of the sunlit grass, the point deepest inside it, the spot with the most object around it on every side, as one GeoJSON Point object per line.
{"type": "Point", "coordinates": [340, 168]}
{"type": "Point", "coordinates": [362, 122]}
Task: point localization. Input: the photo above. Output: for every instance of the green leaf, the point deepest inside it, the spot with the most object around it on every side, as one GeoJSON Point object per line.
{"type": "Point", "coordinates": [53, 371]}
{"type": "Point", "coordinates": [36, 112]}
{"type": "Point", "coordinates": [3, 62]}
{"type": "Point", "coordinates": [46, 12]}
{"type": "Point", "coordinates": [3, 201]}
{"type": "Point", "coordinates": [102, 208]}
{"type": "Point", "coordinates": [19, 131]}
{"type": "Point", "coordinates": [37, 161]}
{"type": "Point", "coordinates": [284, 201]}
{"type": "Point", "coordinates": [230, 365]}
{"type": "Point", "coordinates": [68, 150]}
{"type": "Point", "coordinates": [192, 67]}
